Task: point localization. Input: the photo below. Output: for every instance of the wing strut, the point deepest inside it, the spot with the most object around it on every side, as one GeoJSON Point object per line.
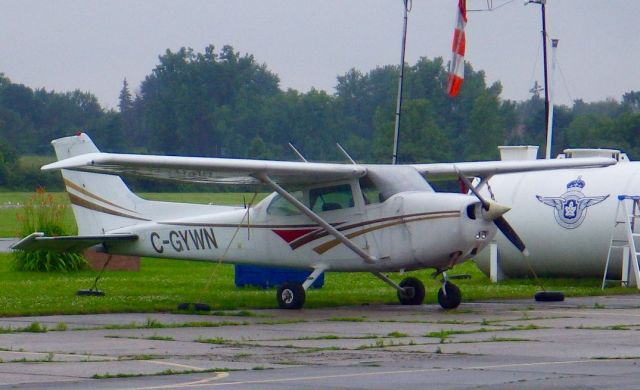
{"type": "Point", "coordinates": [316, 218]}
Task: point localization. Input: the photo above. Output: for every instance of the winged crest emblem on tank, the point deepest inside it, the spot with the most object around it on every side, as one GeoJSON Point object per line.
{"type": "Point", "coordinates": [570, 208]}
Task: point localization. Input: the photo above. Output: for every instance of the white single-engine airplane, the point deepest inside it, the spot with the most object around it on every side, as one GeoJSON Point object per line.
{"type": "Point", "coordinates": [321, 217]}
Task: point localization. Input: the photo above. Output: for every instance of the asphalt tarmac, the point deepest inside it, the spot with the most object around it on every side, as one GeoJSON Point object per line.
{"type": "Point", "coordinates": [589, 342]}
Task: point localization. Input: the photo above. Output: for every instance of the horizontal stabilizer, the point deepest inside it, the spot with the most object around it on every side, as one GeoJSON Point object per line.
{"type": "Point", "coordinates": [38, 241]}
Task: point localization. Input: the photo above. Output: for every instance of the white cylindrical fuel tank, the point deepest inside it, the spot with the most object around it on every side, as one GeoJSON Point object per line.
{"type": "Point", "coordinates": [565, 218]}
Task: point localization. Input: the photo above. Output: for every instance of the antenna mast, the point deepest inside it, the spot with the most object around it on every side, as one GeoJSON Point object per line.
{"type": "Point", "coordinates": [396, 134]}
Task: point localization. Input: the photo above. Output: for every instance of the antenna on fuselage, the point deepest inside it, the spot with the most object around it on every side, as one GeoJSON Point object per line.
{"type": "Point", "coordinates": [297, 152]}
{"type": "Point", "coordinates": [346, 154]}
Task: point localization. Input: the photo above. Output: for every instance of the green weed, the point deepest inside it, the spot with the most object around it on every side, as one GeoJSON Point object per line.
{"type": "Point", "coordinates": [41, 213]}
{"type": "Point", "coordinates": [35, 327]}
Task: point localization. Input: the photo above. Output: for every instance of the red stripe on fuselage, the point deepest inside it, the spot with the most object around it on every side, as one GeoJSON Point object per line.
{"type": "Point", "coordinates": [290, 235]}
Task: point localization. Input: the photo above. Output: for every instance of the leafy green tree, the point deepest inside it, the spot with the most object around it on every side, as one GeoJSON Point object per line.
{"type": "Point", "coordinates": [422, 140]}
{"type": "Point", "coordinates": [631, 101]}
{"type": "Point", "coordinates": [258, 149]}
{"type": "Point", "coordinates": [8, 163]}
{"type": "Point", "coordinates": [485, 129]}
{"type": "Point", "coordinates": [205, 103]}
{"type": "Point", "coordinates": [590, 131]}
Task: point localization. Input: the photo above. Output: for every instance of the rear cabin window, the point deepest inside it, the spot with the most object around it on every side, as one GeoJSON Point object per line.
{"type": "Point", "coordinates": [331, 198]}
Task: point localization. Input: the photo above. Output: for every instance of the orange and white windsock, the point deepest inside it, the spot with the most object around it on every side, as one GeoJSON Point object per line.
{"type": "Point", "coordinates": [456, 66]}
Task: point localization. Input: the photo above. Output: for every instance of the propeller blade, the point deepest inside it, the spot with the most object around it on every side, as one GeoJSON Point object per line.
{"type": "Point", "coordinates": [511, 235]}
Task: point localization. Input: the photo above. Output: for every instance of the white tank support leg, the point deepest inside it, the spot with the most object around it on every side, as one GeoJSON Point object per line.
{"type": "Point", "coordinates": [495, 273]}
{"type": "Point", "coordinates": [625, 266]}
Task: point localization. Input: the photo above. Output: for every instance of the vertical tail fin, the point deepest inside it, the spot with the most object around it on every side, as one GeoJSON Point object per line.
{"type": "Point", "coordinates": [100, 203]}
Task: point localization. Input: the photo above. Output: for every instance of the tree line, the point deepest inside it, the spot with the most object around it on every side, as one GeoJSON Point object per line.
{"type": "Point", "coordinates": [224, 104]}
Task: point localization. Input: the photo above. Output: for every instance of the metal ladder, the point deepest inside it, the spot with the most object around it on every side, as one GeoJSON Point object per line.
{"type": "Point", "coordinates": [623, 239]}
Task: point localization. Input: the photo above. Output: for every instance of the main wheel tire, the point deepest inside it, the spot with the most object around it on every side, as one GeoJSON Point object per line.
{"type": "Point", "coordinates": [290, 296]}
{"type": "Point", "coordinates": [549, 296]}
{"type": "Point", "coordinates": [414, 294]}
{"type": "Point", "coordinates": [453, 297]}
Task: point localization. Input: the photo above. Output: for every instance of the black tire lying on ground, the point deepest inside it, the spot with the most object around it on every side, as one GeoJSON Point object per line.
{"type": "Point", "coordinates": [549, 296]}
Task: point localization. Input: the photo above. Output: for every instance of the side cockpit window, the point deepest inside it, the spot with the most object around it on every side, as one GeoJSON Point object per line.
{"type": "Point", "coordinates": [331, 198]}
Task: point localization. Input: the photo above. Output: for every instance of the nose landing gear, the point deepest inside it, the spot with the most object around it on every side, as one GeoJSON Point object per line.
{"type": "Point", "coordinates": [449, 295]}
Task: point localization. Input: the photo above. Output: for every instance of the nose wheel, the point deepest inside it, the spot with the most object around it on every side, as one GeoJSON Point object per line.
{"type": "Point", "coordinates": [449, 295]}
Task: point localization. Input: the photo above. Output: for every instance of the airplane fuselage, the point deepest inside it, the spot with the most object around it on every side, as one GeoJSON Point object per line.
{"type": "Point", "coordinates": [410, 230]}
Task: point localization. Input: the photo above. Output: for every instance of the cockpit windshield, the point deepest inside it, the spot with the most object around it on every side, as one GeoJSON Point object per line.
{"type": "Point", "coordinates": [391, 180]}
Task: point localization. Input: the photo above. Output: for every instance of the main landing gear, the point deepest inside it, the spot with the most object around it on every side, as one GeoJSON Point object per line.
{"type": "Point", "coordinates": [411, 291]}
{"type": "Point", "coordinates": [291, 295]}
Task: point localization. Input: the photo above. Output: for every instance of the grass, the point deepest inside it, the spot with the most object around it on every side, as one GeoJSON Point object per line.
{"type": "Point", "coordinates": [162, 284]}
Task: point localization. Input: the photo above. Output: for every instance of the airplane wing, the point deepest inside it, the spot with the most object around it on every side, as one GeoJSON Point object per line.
{"type": "Point", "coordinates": [485, 169]}
{"type": "Point", "coordinates": [38, 241]}
{"type": "Point", "coordinates": [245, 171]}
{"type": "Point", "coordinates": [209, 170]}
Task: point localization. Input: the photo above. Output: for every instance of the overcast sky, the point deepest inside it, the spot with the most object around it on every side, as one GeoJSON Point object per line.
{"type": "Point", "coordinates": [93, 45]}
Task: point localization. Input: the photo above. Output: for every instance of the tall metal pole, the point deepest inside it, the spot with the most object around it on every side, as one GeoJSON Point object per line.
{"type": "Point", "coordinates": [396, 134]}
{"type": "Point", "coordinates": [544, 55]}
